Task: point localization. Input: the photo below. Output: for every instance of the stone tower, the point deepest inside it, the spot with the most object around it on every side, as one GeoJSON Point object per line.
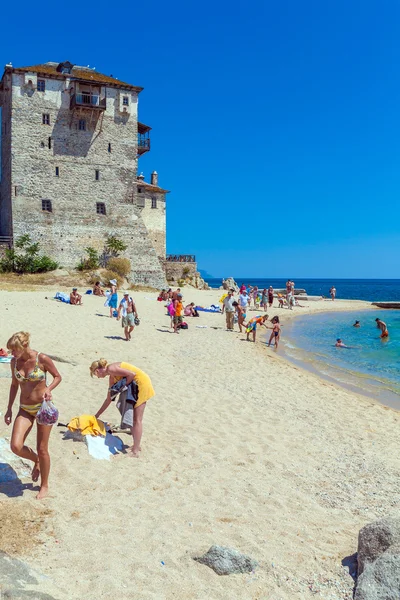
{"type": "Point", "coordinates": [70, 146]}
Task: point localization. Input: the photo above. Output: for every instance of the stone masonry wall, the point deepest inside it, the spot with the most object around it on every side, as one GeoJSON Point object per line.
{"type": "Point", "coordinates": [5, 183]}
{"type": "Point", "coordinates": [109, 146]}
{"type": "Point", "coordinates": [151, 207]}
{"type": "Point", "coordinates": [174, 270]}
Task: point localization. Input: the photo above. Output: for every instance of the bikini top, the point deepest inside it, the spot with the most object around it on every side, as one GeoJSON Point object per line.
{"type": "Point", "coordinates": [36, 375]}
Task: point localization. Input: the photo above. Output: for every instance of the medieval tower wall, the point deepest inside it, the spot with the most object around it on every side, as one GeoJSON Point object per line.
{"type": "Point", "coordinates": [69, 168]}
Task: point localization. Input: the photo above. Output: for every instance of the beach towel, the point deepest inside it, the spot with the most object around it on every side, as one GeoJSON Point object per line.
{"type": "Point", "coordinates": [103, 448]}
{"type": "Point", "coordinates": [212, 308]}
{"type": "Point", "coordinates": [88, 425]}
{"type": "Point", "coordinates": [5, 359]}
{"type": "Point", "coordinates": [62, 297]}
{"type": "Point", "coordinates": [88, 292]}
{"type": "Point", "coordinates": [108, 296]}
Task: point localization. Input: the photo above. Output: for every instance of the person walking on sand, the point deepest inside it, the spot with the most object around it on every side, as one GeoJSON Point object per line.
{"type": "Point", "coordinates": [113, 299]}
{"type": "Point", "coordinates": [178, 316]}
{"type": "Point", "coordinates": [116, 371]}
{"type": "Point", "coordinates": [276, 331]}
{"type": "Point", "coordinates": [251, 326]}
{"type": "Point", "coordinates": [264, 300]}
{"type": "Point", "coordinates": [244, 300]}
{"type": "Point", "coordinates": [332, 292]}
{"type": "Point", "coordinates": [229, 309]}
{"type": "Point", "coordinates": [270, 296]}
{"type": "Point", "coordinates": [383, 328]}
{"type": "Point", "coordinates": [241, 315]}
{"type": "Point", "coordinates": [129, 313]}
{"type": "Point", "coordinates": [28, 371]}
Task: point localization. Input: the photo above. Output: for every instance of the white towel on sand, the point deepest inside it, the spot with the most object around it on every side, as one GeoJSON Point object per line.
{"type": "Point", "coordinates": [103, 447]}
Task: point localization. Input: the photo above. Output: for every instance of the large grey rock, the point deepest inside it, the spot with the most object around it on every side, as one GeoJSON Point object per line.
{"type": "Point", "coordinates": [230, 283]}
{"type": "Point", "coordinates": [225, 561]}
{"type": "Point", "coordinates": [375, 538]}
{"type": "Point", "coordinates": [15, 575]}
{"type": "Point", "coordinates": [380, 580]}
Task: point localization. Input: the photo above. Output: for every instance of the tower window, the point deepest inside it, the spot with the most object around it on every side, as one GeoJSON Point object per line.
{"type": "Point", "coordinates": [154, 203]}
{"type": "Point", "coordinates": [57, 171]}
{"type": "Point", "coordinates": [82, 125]}
{"type": "Point", "coordinates": [49, 143]}
{"type": "Point", "coordinates": [46, 119]}
{"type": "Point", "coordinates": [46, 206]}
{"type": "Point", "coordinates": [125, 100]}
{"type": "Point", "coordinates": [41, 85]}
{"type": "Point", "coordinates": [109, 147]}
{"type": "Point", "coordinates": [139, 190]}
{"type": "Point", "coordinates": [97, 175]}
{"type": "Point", "coordinates": [100, 208]}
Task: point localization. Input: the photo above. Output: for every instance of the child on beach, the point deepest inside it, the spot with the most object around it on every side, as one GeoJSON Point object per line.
{"type": "Point", "coordinates": [276, 331]}
{"type": "Point", "coordinates": [252, 326]}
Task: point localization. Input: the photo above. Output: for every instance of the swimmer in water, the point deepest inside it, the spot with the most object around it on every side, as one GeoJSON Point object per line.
{"type": "Point", "coordinates": [383, 328]}
{"type": "Point", "coordinates": [340, 344]}
{"type": "Point", "coordinates": [357, 324]}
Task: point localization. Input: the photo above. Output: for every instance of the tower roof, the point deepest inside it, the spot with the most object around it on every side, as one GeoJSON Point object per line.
{"type": "Point", "coordinates": [56, 70]}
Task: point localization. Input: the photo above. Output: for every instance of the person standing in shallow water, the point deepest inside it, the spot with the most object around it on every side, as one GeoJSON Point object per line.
{"type": "Point", "coordinates": [28, 371]}
{"type": "Point", "coordinates": [383, 328]}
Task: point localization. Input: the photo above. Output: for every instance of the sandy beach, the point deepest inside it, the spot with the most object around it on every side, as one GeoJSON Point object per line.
{"type": "Point", "coordinates": [240, 449]}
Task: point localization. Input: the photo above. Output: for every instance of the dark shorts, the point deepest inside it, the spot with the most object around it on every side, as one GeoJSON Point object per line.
{"type": "Point", "coordinates": [178, 319]}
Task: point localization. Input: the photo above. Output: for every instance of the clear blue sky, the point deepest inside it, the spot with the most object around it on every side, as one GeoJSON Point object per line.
{"type": "Point", "coordinates": [276, 125]}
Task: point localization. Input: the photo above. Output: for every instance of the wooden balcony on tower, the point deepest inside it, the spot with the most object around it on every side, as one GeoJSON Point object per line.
{"type": "Point", "coordinates": [143, 138]}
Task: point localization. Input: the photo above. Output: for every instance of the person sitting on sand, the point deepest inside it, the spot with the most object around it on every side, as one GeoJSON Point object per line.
{"type": "Point", "coordinates": [190, 310]}
{"type": "Point", "coordinates": [97, 290]}
{"type": "Point", "coordinates": [276, 331]}
{"type": "Point", "coordinates": [28, 372]}
{"type": "Point", "coordinates": [340, 344]}
{"type": "Point", "coordinates": [252, 326]}
{"type": "Point", "coordinates": [382, 326]}
{"type": "Point", "coordinates": [357, 324]}
{"type": "Point", "coordinates": [75, 298]}
{"type": "Point", "coordinates": [115, 372]}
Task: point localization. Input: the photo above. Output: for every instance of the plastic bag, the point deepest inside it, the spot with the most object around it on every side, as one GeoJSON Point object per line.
{"type": "Point", "coordinates": [136, 321]}
{"type": "Point", "coordinates": [48, 413]}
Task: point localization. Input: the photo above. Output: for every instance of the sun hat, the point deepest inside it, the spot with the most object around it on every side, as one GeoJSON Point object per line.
{"type": "Point", "coordinates": [113, 281]}
{"type": "Point", "coordinates": [125, 294]}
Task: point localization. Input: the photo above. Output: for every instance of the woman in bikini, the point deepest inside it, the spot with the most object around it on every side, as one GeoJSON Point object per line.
{"type": "Point", "coordinates": [276, 331]}
{"type": "Point", "coordinates": [115, 372]}
{"type": "Point", "coordinates": [28, 369]}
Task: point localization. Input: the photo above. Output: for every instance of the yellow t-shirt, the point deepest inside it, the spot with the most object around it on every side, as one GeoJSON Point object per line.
{"type": "Point", "coordinates": [146, 390]}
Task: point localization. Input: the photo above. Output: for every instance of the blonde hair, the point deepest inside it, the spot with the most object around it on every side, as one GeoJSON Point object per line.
{"type": "Point", "coordinates": [19, 340]}
{"type": "Point", "coordinates": [97, 364]}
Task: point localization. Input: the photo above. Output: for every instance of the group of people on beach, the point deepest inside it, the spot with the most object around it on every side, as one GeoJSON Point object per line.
{"type": "Point", "coordinates": [236, 310]}
{"type": "Point", "coordinates": [381, 325]}
{"type": "Point", "coordinates": [30, 371]}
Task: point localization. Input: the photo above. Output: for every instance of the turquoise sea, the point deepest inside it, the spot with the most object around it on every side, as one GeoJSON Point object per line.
{"type": "Point", "coordinates": [370, 365]}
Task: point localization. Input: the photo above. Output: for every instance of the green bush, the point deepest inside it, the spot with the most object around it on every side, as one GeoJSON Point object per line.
{"type": "Point", "coordinates": [181, 282]}
{"type": "Point", "coordinates": [122, 266]}
{"type": "Point", "coordinates": [185, 271]}
{"type": "Point", "coordinates": [114, 246]}
{"type": "Point", "coordinates": [108, 275]}
{"type": "Point", "coordinates": [25, 258]}
{"type": "Point", "coordinates": [91, 262]}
